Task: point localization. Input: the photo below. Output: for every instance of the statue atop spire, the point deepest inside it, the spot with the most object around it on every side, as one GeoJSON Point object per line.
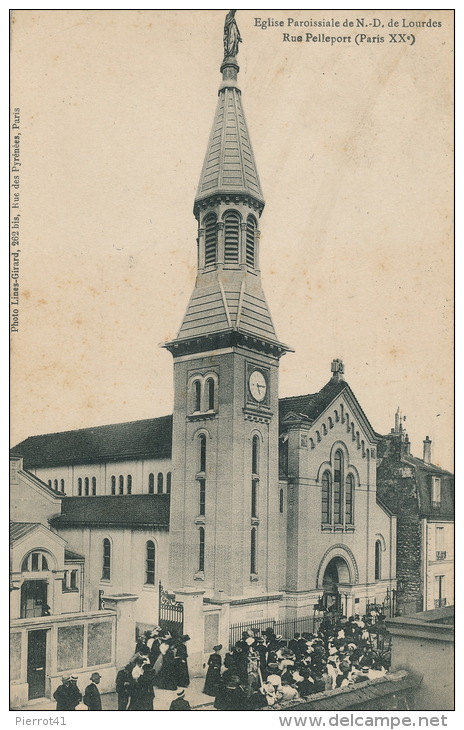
{"type": "Point", "coordinates": [231, 35]}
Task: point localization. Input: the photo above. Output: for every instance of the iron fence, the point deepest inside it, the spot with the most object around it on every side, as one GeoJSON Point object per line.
{"type": "Point", "coordinates": [171, 613]}
{"type": "Point", "coordinates": [285, 628]}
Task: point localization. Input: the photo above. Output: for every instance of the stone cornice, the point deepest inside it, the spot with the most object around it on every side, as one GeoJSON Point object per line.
{"type": "Point", "coordinates": [228, 338]}
{"type": "Point", "coordinates": [226, 198]}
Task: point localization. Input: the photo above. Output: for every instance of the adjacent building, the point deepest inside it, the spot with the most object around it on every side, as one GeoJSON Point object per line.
{"type": "Point", "coordinates": [53, 628]}
{"type": "Point", "coordinates": [422, 495]}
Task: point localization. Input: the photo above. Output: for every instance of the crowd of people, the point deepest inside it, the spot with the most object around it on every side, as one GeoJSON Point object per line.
{"type": "Point", "coordinates": [260, 670]}
{"type": "Point", "coordinates": [161, 661]}
{"type": "Point", "coordinates": [264, 670]}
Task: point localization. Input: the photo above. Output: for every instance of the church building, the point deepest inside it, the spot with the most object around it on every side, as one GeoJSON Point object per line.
{"type": "Point", "coordinates": [245, 507]}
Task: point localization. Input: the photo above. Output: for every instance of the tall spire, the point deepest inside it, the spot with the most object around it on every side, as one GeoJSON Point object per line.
{"type": "Point", "coordinates": [228, 304]}
{"type": "Point", "coordinates": [229, 166]}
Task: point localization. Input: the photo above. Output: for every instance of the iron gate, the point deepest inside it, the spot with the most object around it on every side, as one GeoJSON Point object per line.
{"type": "Point", "coordinates": [171, 613]}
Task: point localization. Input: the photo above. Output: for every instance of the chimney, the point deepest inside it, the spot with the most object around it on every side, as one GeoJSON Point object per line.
{"type": "Point", "coordinates": [407, 445]}
{"type": "Point", "coordinates": [427, 450]}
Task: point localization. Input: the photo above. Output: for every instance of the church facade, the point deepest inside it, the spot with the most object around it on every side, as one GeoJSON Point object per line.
{"type": "Point", "coordinates": [245, 506]}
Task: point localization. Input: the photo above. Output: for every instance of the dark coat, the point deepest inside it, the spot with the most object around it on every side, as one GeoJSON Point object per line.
{"type": "Point", "coordinates": [213, 675]}
{"type": "Point", "coordinates": [166, 677]}
{"type": "Point", "coordinates": [231, 699]}
{"type": "Point", "coordinates": [92, 697]}
{"type": "Point", "coordinates": [181, 666]}
{"type": "Point", "coordinates": [123, 684]}
{"type": "Point", "coordinates": [67, 697]}
{"type": "Point", "coordinates": [305, 688]}
{"type": "Point", "coordinates": [142, 692]}
{"type": "Point", "coordinates": [154, 651]}
{"type": "Point", "coordinates": [180, 704]}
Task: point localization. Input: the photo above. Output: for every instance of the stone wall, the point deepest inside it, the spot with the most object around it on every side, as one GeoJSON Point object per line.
{"type": "Point", "coordinates": [397, 488]}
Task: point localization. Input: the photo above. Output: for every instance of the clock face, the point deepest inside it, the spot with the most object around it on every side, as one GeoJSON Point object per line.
{"type": "Point", "coordinates": [258, 386]}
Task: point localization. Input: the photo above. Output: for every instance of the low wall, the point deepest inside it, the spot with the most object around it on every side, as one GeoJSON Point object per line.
{"type": "Point", "coordinates": [77, 644]}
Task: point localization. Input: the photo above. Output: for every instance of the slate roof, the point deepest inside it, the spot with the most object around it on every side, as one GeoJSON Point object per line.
{"type": "Point", "coordinates": [71, 555]}
{"type": "Point", "coordinates": [313, 405]}
{"type": "Point", "coordinates": [238, 305]}
{"type": "Point", "coordinates": [19, 529]}
{"type": "Point", "coordinates": [424, 474]}
{"type": "Point", "coordinates": [126, 510]}
{"type": "Point", "coordinates": [229, 165]}
{"type": "Point", "coordinates": [150, 438]}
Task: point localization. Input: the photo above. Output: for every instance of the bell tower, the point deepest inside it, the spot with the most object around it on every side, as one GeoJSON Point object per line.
{"type": "Point", "coordinates": [224, 520]}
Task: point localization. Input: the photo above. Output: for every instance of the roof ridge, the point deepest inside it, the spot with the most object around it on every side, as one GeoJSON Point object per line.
{"type": "Point", "coordinates": [91, 428]}
{"type": "Point", "coordinates": [302, 395]}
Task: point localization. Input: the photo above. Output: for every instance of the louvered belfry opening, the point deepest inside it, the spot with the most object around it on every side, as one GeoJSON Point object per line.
{"type": "Point", "coordinates": [250, 241]}
{"type": "Point", "coordinates": [231, 237]}
{"type": "Point", "coordinates": [210, 240]}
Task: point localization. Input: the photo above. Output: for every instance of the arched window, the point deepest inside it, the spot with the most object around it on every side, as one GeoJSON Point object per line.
{"type": "Point", "coordinates": [326, 498]}
{"type": "Point", "coordinates": [62, 485]}
{"type": "Point", "coordinates": [210, 239]}
{"type": "Point", "coordinates": [150, 563]}
{"type": "Point", "coordinates": [378, 560]}
{"type": "Point", "coordinates": [210, 393]}
{"type": "Point", "coordinates": [151, 484]}
{"type": "Point", "coordinates": [113, 485]}
{"type": "Point", "coordinates": [196, 395]}
{"type": "Point", "coordinates": [201, 549]}
{"type": "Point", "coordinates": [253, 565]}
{"type": "Point", "coordinates": [281, 501]}
{"type": "Point", "coordinates": [202, 497]}
{"type": "Point", "coordinates": [34, 562]}
{"type": "Point", "coordinates": [94, 486]}
{"type": "Point", "coordinates": [129, 484]}
{"type": "Point", "coordinates": [79, 487]}
{"type": "Point", "coordinates": [202, 442]}
{"type": "Point", "coordinates": [255, 455]}
{"type": "Point", "coordinates": [86, 486]}
{"type": "Point", "coordinates": [349, 500]}
{"type": "Point", "coordinates": [338, 488]}
{"type": "Point", "coordinates": [254, 497]}
{"type": "Point", "coordinates": [159, 487]}
{"type": "Point", "coordinates": [251, 241]}
{"type": "Point", "coordinates": [106, 560]}
{"type": "Point", "coordinates": [121, 484]}
{"type": "Point", "coordinates": [55, 485]}
{"type": "Point", "coordinates": [49, 483]}
{"type": "Point", "coordinates": [231, 237]}
{"type": "Point", "coordinates": [168, 482]}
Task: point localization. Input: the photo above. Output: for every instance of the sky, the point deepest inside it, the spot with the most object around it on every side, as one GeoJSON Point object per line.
{"type": "Point", "coordinates": [353, 145]}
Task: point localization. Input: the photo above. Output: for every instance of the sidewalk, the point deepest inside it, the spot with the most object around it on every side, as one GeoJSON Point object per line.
{"type": "Point", "coordinates": [163, 699]}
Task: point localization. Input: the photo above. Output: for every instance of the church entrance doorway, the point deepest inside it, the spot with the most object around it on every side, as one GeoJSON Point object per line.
{"type": "Point", "coordinates": [335, 573]}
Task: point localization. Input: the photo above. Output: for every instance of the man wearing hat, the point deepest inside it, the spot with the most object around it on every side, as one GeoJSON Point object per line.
{"type": "Point", "coordinates": [75, 693]}
{"type": "Point", "coordinates": [65, 695]}
{"type": "Point", "coordinates": [180, 703]}
{"type": "Point", "coordinates": [92, 695]}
